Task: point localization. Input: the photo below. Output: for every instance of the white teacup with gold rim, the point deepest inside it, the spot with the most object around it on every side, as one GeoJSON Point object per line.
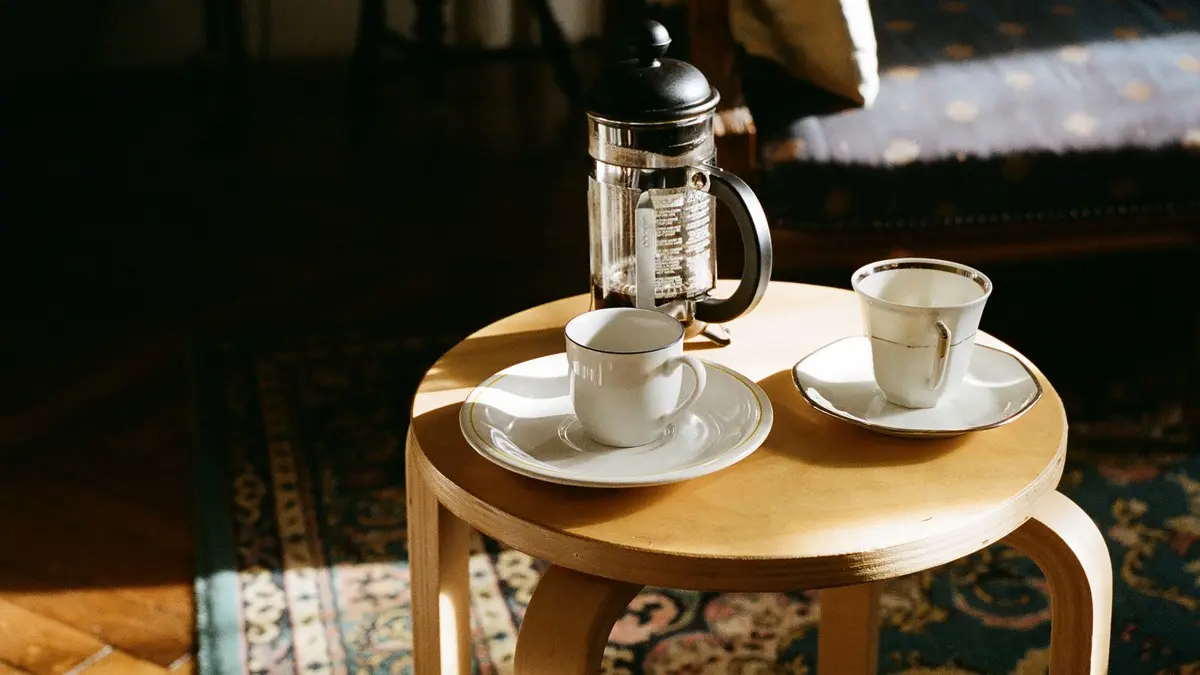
{"type": "Point", "coordinates": [625, 374]}
{"type": "Point", "coordinates": [922, 315]}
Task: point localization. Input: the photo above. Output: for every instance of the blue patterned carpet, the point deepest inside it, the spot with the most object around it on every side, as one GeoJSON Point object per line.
{"type": "Point", "coordinates": [303, 557]}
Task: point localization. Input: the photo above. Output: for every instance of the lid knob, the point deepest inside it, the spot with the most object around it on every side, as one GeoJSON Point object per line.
{"type": "Point", "coordinates": [648, 40]}
{"type": "Point", "coordinates": [644, 85]}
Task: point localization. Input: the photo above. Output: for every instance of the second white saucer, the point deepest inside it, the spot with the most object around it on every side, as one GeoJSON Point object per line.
{"type": "Point", "coordinates": [838, 380]}
{"type": "Point", "coordinates": [521, 419]}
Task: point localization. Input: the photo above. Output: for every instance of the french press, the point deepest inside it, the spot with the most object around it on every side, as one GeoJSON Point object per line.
{"type": "Point", "coordinates": [653, 189]}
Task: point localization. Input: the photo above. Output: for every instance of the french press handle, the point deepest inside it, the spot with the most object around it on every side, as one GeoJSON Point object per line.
{"type": "Point", "coordinates": [757, 255]}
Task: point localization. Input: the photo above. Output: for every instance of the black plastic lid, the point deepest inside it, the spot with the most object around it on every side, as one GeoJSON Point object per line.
{"type": "Point", "coordinates": [645, 87]}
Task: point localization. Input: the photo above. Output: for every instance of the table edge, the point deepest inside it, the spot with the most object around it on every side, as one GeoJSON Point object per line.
{"type": "Point", "coordinates": [731, 573]}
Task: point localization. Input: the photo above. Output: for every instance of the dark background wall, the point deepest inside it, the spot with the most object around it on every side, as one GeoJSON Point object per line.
{"type": "Point", "coordinates": [132, 218]}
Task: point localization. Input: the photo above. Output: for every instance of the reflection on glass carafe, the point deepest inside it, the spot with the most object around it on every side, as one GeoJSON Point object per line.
{"type": "Point", "coordinates": [653, 189]}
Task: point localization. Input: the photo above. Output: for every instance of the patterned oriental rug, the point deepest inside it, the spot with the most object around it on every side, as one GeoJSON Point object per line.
{"type": "Point", "coordinates": [303, 561]}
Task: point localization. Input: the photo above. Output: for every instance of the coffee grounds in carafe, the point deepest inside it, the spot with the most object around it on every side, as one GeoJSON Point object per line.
{"type": "Point", "coordinates": [683, 259]}
{"type": "Point", "coordinates": [611, 289]}
{"type": "Point", "coordinates": [602, 299]}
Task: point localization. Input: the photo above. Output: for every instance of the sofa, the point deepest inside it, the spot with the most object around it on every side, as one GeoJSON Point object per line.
{"type": "Point", "coordinates": [1003, 129]}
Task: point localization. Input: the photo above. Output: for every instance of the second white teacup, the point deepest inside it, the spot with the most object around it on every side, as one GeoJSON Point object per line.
{"type": "Point", "coordinates": [922, 315]}
{"type": "Point", "coordinates": [625, 374]}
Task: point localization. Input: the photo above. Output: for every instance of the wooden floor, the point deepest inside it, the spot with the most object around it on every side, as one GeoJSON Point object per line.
{"type": "Point", "coordinates": [127, 233]}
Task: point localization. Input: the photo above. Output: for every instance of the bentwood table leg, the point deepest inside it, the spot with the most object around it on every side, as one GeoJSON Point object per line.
{"type": "Point", "coordinates": [1064, 542]}
{"type": "Point", "coordinates": [438, 550]}
{"type": "Point", "coordinates": [567, 623]}
{"type": "Point", "coordinates": [848, 637]}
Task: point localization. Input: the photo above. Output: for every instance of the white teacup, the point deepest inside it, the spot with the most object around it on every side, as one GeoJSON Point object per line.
{"type": "Point", "coordinates": [625, 377]}
{"type": "Point", "coordinates": [921, 315]}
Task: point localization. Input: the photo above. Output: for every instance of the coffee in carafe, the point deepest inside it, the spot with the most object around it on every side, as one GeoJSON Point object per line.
{"type": "Point", "coordinates": [653, 189]}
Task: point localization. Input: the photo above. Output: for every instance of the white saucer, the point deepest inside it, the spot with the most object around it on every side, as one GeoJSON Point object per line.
{"type": "Point", "coordinates": [521, 419]}
{"type": "Point", "coordinates": [838, 380]}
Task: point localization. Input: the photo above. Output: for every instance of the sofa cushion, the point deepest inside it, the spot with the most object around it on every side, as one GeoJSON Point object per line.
{"type": "Point", "coordinates": [992, 111]}
{"type": "Point", "coordinates": [830, 43]}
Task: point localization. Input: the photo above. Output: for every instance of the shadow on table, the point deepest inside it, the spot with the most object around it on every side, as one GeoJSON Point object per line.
{"type": "Point", "coordinates": [477, 358]}
{"type": "Point", "coordinates": [700, 344]}
{"type": "Point", "coordinates": [832, 442]}
{"type": "Point", "coordinates": [517, 495]}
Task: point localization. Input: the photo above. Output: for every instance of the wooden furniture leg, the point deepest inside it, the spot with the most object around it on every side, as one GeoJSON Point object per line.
{"type": "Point", "coordinates": [226, 58]}
{"type": "Point", "coordinates": [559, 51]}
{"type": "Point", "coordinates": [848, 637]}
{"type": "Point", "coordinates": [441, 603]}
{"type": "Point", "coordinates": [430, 31]}
{"type": "Point", "coordinates": [567, 623]}
{"type": "Point", "coordinates": [1064, 542]}
{"type": "Point", "coordinates": [1191, 412]}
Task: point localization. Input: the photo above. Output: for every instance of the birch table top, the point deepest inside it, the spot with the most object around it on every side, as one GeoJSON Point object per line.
{"type": "Point", "coordinates": [820, 504]}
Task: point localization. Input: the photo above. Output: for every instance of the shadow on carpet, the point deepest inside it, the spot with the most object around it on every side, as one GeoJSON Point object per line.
{"type": "Point", "coordinates": [300, 475]}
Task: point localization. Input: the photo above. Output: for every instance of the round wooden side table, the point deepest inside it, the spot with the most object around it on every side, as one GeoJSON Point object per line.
{"type": "Point", "coordinates": [821, 505]}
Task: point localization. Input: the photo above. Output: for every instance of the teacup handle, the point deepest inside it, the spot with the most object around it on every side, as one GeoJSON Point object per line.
{"type": "Point", "coordinates": [942, 355]}
{"type": "Point", "coordinates": [697, 367]}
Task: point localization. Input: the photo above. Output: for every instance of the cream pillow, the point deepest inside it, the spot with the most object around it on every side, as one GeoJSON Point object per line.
{"type": "Point", "coordinates": [830, 43]}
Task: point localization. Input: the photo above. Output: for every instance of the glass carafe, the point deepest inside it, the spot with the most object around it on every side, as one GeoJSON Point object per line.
{"type": "Point", "coordinates": [653, 189]}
